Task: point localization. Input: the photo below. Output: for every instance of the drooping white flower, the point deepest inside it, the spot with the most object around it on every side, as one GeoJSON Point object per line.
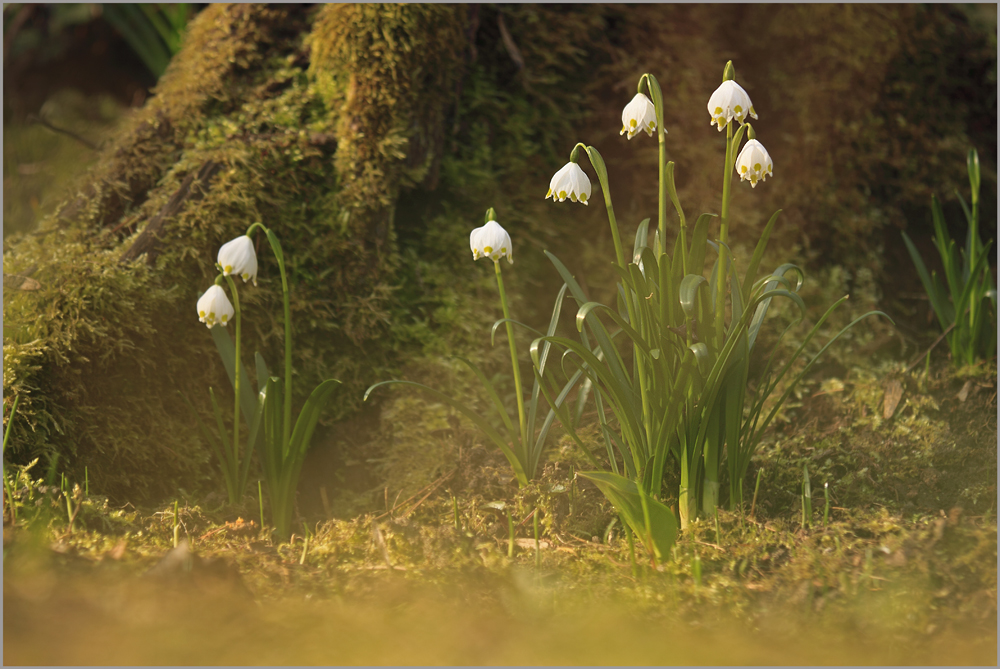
{"type": "Point", "coordinates": [491, 241]}
{"type": "Point", "coordinates": [640, 114]}
{"type": "Point", "coordinates": [237, 257]}
{"type": "Point", "coordinates": [754, 163]}
{"type": "Point", "coordinates": [728, 102]}
{"type": "Point", "coordinates": [214, 307]}
{"type": "Point", "coordinates": [570, 182]}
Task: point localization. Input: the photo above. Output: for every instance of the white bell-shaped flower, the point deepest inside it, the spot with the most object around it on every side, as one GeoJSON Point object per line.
{"type": "Point", "coordinates": [754, 163]}
{"type": "Point", "coordinates": [640, 114]}
{"type": "Point", "coordinates": [491, 241]}
{"type": "Point", "coordinates": [570, 182]}
{"type": "Point", "coordinates": [237, 257]}
{"type": "Point", "coordinates": [214, 307]}
{"type": "Point", "coordinates": [729, 102]}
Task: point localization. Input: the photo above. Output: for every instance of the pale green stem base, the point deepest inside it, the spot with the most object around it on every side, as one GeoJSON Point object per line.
{"type": "Point", "coordinates": [517, 371]}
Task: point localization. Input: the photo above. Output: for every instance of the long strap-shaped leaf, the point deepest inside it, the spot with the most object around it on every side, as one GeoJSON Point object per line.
{"type": "Point", "coordinates": [648, 517]}
{"type": "Point", "coordinates": [935, 292]}
{"type": "Point", "coordinates": [611, 355]}
{"type": "Point", "coordinates": [227, 351]}
{"type": "Point", "coordinates": [758, 255]}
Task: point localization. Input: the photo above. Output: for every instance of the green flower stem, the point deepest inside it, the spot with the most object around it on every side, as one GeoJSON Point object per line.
{"type": "Point", "coordinates": [287, 427]}
{"type": "Point", "coordinates": [602, 175]}
{"type": "Point", "coordinates": [280, 257]}
{"type": "Point", "coordinates": [727, 177]}
{"type": "Point", "coordinates": [656, 95]}
{"type": "Point", "coordinates": [236, 387]}
{"type": "Point", "coordinates": [513, 359]}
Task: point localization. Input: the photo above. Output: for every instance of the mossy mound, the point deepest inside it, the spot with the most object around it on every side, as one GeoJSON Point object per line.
{"type": "Point", "coordinates": [292, 121]}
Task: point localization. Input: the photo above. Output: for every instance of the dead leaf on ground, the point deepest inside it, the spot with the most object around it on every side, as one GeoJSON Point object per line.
{"type": "Point", "coordinates": [893, 393]}
{"type": "Point", "coordinates": [963, 394]}
{"type": "Point", "coordinates": [18, 282]}
{"type": "Point", "coordinates": [118, 552]}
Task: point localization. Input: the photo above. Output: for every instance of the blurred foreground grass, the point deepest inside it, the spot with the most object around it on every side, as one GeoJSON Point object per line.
{"type": "Point", "coordinates": [102, 619]}
{"type": "Point", "coordinates": [869, 589]}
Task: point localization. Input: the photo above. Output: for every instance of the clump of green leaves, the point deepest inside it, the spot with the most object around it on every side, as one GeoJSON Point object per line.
{"type": "Point", "coordinates": [281, 448]}
{"type": "Point", "coordinates": [675, 374]}
{"type": "Point", "coordinates": [520, 445]}
{"type": "Point", "coordinates": [966, 302]}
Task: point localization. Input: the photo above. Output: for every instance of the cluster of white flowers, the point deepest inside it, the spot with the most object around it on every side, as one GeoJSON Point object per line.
{"type": "Point", "coordinates": [730, 102]}
{"type": "Point", "coordinates": [236, 258]}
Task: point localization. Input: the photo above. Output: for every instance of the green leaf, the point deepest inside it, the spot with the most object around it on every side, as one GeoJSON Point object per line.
{"type": "Point", "coordinates": [689, 291]}
{"type": "Point", "coordinates": [551, 330]}
{"type": "Point", "coordinates": [758, 255]}
{"type": "Point", "coordinates": [656, 525]}
{"type": "Point", "coordinates": [600, 333]}
{"type": "Point", "coordinates": [935, 292]}
{"type": "Point", "coordinates": [262, 373]}
{"type": "Point", "coordinates": [306, 422]}
{"type": "Point", "coordinates": [493, 330]}
{"type": "Point", "coordinates": [972, 164]}
{"type": "Point", "coordinates": [641, 240]}
{"type": "Point", "coordinates": [699, 239]}
{"type": "Point", "coordinates": [227, 351]}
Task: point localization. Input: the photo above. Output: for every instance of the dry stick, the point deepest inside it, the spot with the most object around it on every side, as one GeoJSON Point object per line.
{"type": "Point", "coordinates": [188, 191]}
{"type": "Point", "coordinates": [407, 500]}
{"type": "Point", "coordinates": [35, 118]}
{"type": "Point", "coordinates": [936, 342]}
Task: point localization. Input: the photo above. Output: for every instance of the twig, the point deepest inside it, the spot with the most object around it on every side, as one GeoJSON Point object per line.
{"type": "Point", "coordinates": [407, 500]}
{"type": "Point", "coordinates": [936, 342]}
{"type": "Point", "coordinates": [146, 241]}
{"type": "Point", "coordinates": [35, 118]}
{"type": "Point", "coordinates": [429, 493]}
{"type": "Point", "coordinates": [509, 44]}
{"type": "Point", "coordinates": [528, 517]}
{"type": "Point", "coordinates": [15, 27]}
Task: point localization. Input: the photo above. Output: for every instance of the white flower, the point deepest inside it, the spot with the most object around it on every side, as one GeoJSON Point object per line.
{"type": "Point", "coordinates": [238, 257]}
{"type": "Point", "coordinates": [640, 114]}
{"type": "Point", "coordinates": [214, 307]}
{"type": "Point", "coordinates": [728, 102]}
{"type": "Point", "coordinates": [754, 163]}
{"type": "Point", "coordinates": [570, 182]}
{"type": "Point", "coordinates": [491, 241]}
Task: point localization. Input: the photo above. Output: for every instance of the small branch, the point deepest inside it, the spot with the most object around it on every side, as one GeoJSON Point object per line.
{"type": "Point", "coordinates": [936, 342]}
{"type": "Point", "coordinates": [35, 118]}
{"type": "Point", "coordinates": [16, 24]}
{"type": "Point", "coordinates": [146, 241]}
{"type": "Point", "coordinates": [509, 44]}
{"type": "Point", "coordinates": [431, 487]}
